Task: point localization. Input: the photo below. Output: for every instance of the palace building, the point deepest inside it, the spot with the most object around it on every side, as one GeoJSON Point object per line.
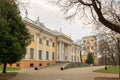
{"type": "Point", "coordinates": [47, 47]}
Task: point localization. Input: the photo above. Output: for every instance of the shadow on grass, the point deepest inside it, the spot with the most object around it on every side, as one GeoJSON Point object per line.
{"type": "Point", "coordinates": [8, 75]}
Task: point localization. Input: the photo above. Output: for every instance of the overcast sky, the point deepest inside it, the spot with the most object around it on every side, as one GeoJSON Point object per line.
{"type": "Point", "coordinates": [53, 18]}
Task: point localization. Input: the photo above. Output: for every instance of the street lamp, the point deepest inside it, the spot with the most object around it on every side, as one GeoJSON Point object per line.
{"type": "Point", "coordinates": [118, 46]}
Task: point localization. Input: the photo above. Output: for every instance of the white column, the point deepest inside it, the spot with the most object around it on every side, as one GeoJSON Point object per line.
{"type": "Point", "coordinates": [59, 50]}
{"type": "Point", "coordinates": [70, 52]}
{"type": "Point", "coordinates": [44, 48]}
{"type": "Point", "coordinates": [63, 58]}
{"type": "Point", "coordinates": [50, 57]}
{"type": "Point", "coordinates": [37, 46]}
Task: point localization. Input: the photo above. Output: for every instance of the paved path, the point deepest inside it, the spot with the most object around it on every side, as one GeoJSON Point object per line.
{"type": "Point", "coordinates": [54, 73]}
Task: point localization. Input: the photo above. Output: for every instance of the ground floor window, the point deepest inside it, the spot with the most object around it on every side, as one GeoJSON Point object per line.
{"type": "Point", "coordinates": [40, 64]}
{"type": "Point", "coordinates": [31, 65]}
{"type": "Point", "coordinates": [53, 54]}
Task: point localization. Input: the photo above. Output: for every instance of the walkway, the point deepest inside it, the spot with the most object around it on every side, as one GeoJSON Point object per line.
{"type": "Point", "coordinates": [54, 73]}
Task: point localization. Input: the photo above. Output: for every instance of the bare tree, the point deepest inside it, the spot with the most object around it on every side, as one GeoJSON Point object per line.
{"type": "Point", "coordinates": [108, 45]}
{"type": "Point", "coordinates": [105, 12]}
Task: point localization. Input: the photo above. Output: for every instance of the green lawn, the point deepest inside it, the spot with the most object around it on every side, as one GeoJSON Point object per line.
{"type": "Point", "coordinates": [112, 70]}
{"type": "Point", "coordinates": [10, 69]}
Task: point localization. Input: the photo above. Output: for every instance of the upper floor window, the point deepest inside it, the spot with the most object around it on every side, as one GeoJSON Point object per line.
{"type": "Point", "coordinates": [47, 42]}
{"type": "Point", "coordinates": [92, 47]}
{"type": "Point", "coordinates": [31, 53]}
{"type": "Point", "coordinates": [32, 37]}
{"type": "Point", "coordinates": [53, 44]}
{"type": "Point", "coordinates": [47, 55]}
{"type": "Point", "coordinates": [40, 40]}
{"type": "Point", "coordinates": [40, 54]}
{"type": "Point", "coordinates": [91, 39]}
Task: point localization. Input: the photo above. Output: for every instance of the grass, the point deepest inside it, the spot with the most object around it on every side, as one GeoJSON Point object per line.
{"type": "Point", "coordinates": [112, 70]}
{"type": "Point", "coordinates": [11, 72]}
{"type": "Point", "coordinates": [10, 69]}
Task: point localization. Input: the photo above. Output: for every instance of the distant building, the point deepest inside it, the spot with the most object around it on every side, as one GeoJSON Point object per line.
{"type": "Point", "coordinates": [89, 45]}
{"type": "Point", "coordinates": [47, 47]}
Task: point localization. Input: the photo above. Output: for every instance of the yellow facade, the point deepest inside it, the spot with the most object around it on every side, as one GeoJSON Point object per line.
{"type": "Point", "coordinates": [89, 46]}
{"type": "Point", "coordinates": [47, 47]}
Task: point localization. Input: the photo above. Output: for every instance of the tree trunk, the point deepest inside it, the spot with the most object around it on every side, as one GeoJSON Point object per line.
{"type": "Point", "coordinates": [113, 60]}
{"type": "Point", "coordinates": [4, 67]}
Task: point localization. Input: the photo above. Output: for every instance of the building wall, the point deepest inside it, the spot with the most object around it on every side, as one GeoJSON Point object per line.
{"type": "Point", "coordinates": [61, 49]}
{"type": "Point", "coordinates": [89, 46]}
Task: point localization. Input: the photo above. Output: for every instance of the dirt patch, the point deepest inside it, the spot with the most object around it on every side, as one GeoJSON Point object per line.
{"type": "Point", "coordinates": [106, 78]}
{"type": "Point", "coordinates": [7, 75]}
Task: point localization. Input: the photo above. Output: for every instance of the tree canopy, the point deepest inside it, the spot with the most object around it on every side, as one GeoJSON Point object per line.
{"type": "Point", "coordinates": [14, 36]}
{"type": "Point", "coordinates": [89, 59]}
{"type": "Point", "coordinates": [105, 12]}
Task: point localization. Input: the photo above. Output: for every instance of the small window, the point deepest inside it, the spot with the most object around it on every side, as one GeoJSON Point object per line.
{"type": "Point", "coordinates": [91, 39]}
{"type": "Point", "coordinates": [40, 40]}
{"type": "Point", "coordinates": [48, 64]}
{"type": "Point", "coordinates": [32, 37]}
{"type": "Point", "coordinates": [47, 42]}
{"type": "Point", "coordinates": [17, 65]}
{"type": "Point", "coordinates": [53, 44]}
{"type": "Point", "coordinates": [40, 65]}
{"type": "Point", "coordinates": [31, 65]}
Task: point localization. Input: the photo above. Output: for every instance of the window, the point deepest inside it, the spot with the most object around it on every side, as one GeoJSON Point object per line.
{"type": "Point", "coordinates": [47, 42]}
{"type": "Point", "coordinates": [84, 48]}
{"type": "Point", "coordinates": [84, 41]}
{"type": "Point", "coordinates": [31, 53]}
{"type": "Point", "coordinates": [47, 55]}
{"type": "Point", "coordinates": [40, 65]}
{"type": "Point", "coordinates": [40, 54]}
{"type": "Point", "coordinates": [53, 44]}
{"type": "Point", "coordinates": [88, 47]}
{"type": "Point", "coordinates": [32, 37]}
{"type": "Point", "coordinates": [91, 39]}
{"type": "Point", "coordinates": [40, 40]}
{"type": "Point", "coordinates": [92, 47]}
{"type": "Point", "coordinates": [53, 56]}
{"type": "Point", "coordinates": [31, 65]}
{"type": "Point", "coordinates": [23, 57]}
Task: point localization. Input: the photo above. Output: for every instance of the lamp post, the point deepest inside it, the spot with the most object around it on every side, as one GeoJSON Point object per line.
{"type": "Point", "coordinates": [118, 46]}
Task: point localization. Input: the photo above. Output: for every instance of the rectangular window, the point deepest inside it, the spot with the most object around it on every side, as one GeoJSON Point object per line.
{"type": "Point", "coordinates": [23, 57]}
{"type": "Point", "coordinates": [53, 44]}
{"type": "Point", "coordinates": [32, 37]}
{"type": "Point", "coordinates": [47, 55]}
{"type": "Point", "coordinates": [31, 53]}
{"type": "Point", "coordinates": [53, 56]}
{"type": "Point", "coordinates": [40, 40]}
{"type": "Point", "coordinates": [47, 42]}
{"type": "Point", "coordinates": [40, 54]}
